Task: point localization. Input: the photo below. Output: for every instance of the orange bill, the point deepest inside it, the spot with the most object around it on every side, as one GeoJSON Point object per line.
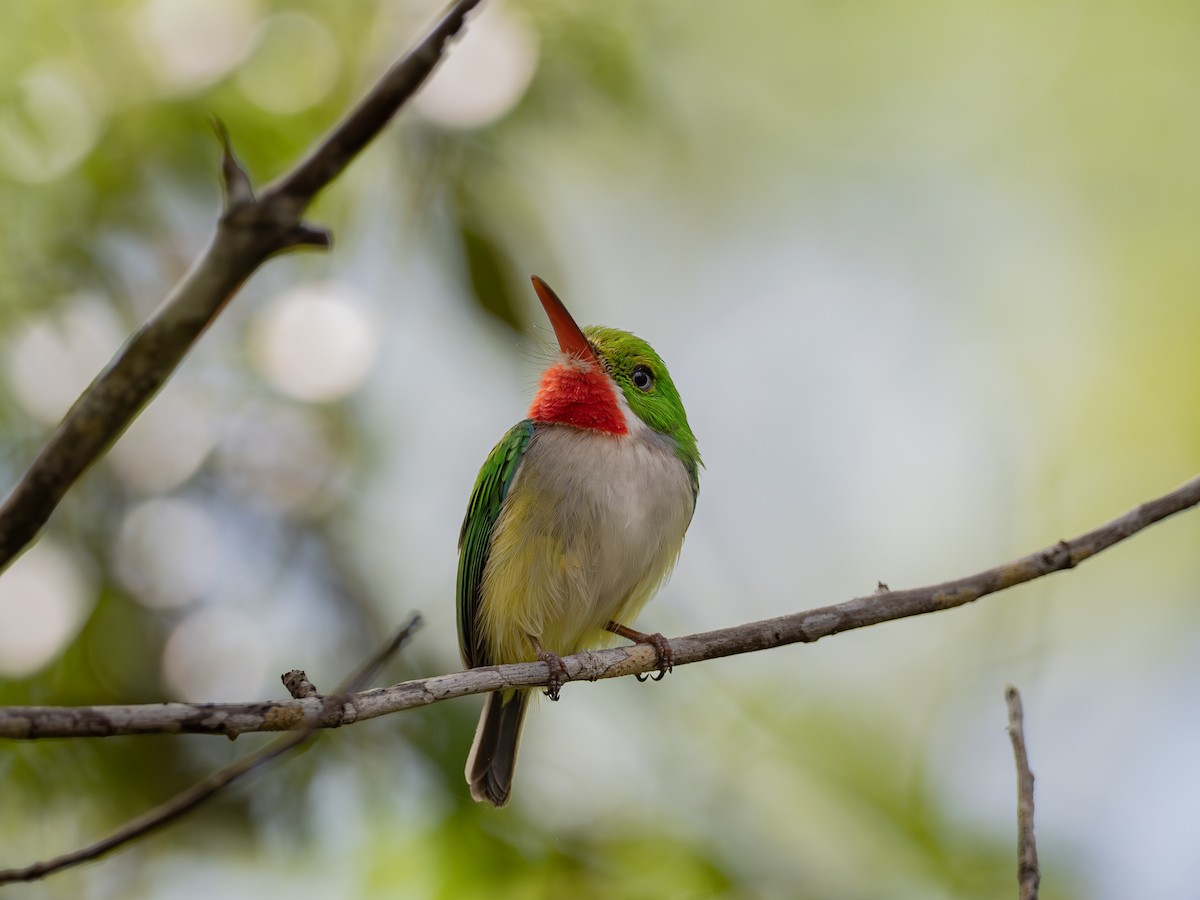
{"type": "Point", "coordinates": [571, 339]}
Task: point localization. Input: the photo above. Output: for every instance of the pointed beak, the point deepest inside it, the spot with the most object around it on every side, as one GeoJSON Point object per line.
{"type": "Point", "coordinates": [571, 339]}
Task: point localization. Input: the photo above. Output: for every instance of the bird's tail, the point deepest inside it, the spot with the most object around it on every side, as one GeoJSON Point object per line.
{"type": "Point", "coordinates": [494, 753]}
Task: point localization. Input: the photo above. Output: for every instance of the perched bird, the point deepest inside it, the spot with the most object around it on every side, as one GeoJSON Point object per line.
{"type": "Point", "coordinates": [576, 519]}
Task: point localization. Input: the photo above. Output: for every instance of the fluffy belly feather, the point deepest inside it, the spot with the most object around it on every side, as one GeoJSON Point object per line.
{"type": "Point", "coordinates": [591, 526]}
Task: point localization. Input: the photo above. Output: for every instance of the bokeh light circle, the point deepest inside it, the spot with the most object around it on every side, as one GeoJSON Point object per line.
{"type": "Point", "coordinates": [213, 654]}
{"type": "Point", "coordinates": [167, 551]}
{"type": "Point", "coordinates": [294, 64]}
{"type": "Point", "coordinates": [485, 75]}
{"type": "Point", "coordinates": [315, 343]}
{"type": "Point", "coordinates": [45, 596]}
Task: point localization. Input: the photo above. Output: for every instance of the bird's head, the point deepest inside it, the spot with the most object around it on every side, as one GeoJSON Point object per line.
{"type": "Point", "coordinates": [608, 380]}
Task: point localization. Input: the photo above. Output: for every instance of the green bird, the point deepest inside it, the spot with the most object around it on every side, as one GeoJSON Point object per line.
{"type": "Point", "coordinates": [576, 519]}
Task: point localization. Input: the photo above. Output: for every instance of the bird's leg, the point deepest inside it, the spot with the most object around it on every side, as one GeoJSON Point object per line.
{"type": "Point", "coordinates": [662, 647]}
{"type": "Point", "coordinates": [558, 668]}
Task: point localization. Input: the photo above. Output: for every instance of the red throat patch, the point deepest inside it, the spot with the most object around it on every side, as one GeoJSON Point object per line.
{"type": "Point", "coordinates": [572, 396]}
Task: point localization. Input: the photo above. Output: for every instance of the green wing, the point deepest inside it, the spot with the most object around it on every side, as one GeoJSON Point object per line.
{"type": "Point", "coordinates": [474, 541]}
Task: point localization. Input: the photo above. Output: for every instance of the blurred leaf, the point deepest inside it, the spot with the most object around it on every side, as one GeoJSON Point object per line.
{"type": "Point", "coordinates": [490, 270]}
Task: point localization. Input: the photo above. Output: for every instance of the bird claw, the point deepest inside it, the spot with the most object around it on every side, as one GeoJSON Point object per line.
{"type": "Point", "coordinates": [664, 654]}
{"type": "Point", "coordinates": [646, 676]}
{"type": "Point", "coordinates": [558, 673]}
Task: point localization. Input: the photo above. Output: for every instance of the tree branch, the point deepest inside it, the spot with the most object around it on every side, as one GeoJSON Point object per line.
{"type": "Point", "coordinates": [1028, 875]}
{"type": "Point", "coordinates": [249, 232]}
{"type": "Point", "coordinates": [232, 719]}
{"type": "Point", "coordinates": [198, 793]}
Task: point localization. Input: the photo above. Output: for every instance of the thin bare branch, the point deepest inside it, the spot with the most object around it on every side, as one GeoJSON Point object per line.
{"type": "Point", "coordinates": [232, 719]}
{"type": "Point", "coordinates": [248, 233]}
{"type": "Point", "coordinates": [198, 793]}
{"type": "Point", "coordinates": [1028, 875]}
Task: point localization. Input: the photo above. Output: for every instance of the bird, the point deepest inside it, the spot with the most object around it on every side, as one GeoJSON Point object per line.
{"type": "Point", "coordinates": [576, 519]}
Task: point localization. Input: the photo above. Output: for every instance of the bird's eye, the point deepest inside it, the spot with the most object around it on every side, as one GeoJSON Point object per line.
{"type": "Point", "coordinates": [643, 378]}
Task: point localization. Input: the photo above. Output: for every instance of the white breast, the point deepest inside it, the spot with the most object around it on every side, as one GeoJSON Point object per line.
{"type": "Point", "coordinates": [592, 525]}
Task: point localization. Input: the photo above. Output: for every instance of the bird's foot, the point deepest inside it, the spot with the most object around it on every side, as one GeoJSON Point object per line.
{"type": "Point", "coordinates": [662, 649]}
{"type": "Point", "coordinates": [558, 672]}
{"type": "Point", "coordinates": [664, 654]}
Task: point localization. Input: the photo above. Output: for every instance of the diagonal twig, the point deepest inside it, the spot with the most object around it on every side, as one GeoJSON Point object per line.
{"type": "Point", "coordinates": [232, 719]}
{"type": "Point", "coordinates": [1028, 875]}
{"type": "Point", "coordinates": [250, 231]}
{"type": "Point", "coordinates": [198, 793]}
